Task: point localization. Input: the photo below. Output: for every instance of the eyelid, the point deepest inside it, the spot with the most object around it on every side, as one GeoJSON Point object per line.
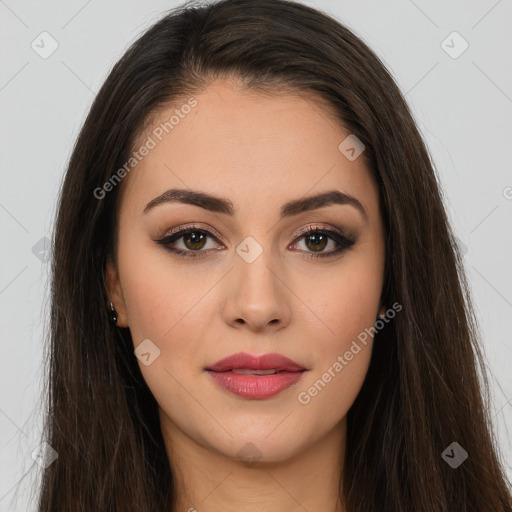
{"type": "Point", "coordinates": [319, 227]}
{"type": "Point", "coordinates": [210, 230]}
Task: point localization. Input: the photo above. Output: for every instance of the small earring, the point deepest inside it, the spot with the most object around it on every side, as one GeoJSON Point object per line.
{"type": "Point", "coordinates": [113, 314]}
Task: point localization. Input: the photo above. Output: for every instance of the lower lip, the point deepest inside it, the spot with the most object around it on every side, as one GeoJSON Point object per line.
{"type": "Point", "coordinates": [255, 387]}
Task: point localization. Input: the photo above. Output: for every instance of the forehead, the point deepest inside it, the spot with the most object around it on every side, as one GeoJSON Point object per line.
{"type": "Point", "coordinates": [246, 145]}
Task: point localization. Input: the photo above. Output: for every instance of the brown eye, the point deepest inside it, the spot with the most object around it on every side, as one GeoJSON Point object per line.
{"type": "Point", "coordinates": [317, 240]}
{"type": "Point", "coordinates": [194, 240]}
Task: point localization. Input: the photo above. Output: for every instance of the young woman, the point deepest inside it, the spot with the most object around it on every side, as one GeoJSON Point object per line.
{"type": "Point", "coordinates": [258, 302]}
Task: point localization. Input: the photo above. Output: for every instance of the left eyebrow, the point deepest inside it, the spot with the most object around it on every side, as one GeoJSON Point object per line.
{"type": "Point", "coordinates": [289, 209]}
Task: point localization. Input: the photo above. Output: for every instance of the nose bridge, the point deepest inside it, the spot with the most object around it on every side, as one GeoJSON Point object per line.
{"type": "Point", "coordinates": [255, 269]}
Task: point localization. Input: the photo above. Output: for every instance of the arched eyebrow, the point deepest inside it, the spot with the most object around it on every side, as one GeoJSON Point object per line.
{"type": "Point", "coordinates": [289, 209]}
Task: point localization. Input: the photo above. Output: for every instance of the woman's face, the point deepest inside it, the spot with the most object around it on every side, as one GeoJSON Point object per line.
{"type": "Point", "coordinates": [248, 280]}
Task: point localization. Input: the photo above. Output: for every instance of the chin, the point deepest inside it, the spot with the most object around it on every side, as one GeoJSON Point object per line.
{"type": "Point", "coordinates": [253, 450]}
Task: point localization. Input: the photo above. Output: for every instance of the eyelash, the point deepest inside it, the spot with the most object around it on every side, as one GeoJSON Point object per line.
{"type": "Point", "coordinates": [344, 240]}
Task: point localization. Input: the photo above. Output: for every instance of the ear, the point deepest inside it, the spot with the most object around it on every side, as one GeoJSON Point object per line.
{"type": "Point", "coordinates": [382, 312]}
{"type": "Point", "coordinates": [115, 293]}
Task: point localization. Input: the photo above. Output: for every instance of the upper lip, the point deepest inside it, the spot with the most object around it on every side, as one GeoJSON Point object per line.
{"type": "Point", "coordinates": [263, 362]}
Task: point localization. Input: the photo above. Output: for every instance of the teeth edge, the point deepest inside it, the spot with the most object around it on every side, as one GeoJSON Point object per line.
{"type": "Point", "coordinates": [241, 371]}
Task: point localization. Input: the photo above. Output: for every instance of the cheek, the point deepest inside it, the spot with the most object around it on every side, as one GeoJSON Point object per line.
{"type": "Point", "coordinates": [162, 299]}
{"type": "Point", "coordinates": [344, 302]}
{"type": "Point", "coordinates": [328, 394]}
{"type": "Point", "coordinates": [167, 307]}
{"type": "Point", "coordinates": [168, 310]}
{"type": "Point", "coordinates": [345, 306]}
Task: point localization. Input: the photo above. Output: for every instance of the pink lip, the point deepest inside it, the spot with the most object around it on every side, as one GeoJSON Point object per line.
{"type": "Point", "coordinates": [264, 362]}
{"type": "Point", "coordinates": [256, 387]}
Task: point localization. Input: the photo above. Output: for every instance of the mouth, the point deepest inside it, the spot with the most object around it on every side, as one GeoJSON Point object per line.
{"type": "Point", "coordinates": [256, 378]}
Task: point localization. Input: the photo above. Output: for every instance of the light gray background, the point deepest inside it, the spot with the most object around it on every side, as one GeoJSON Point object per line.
{"type": "Point", "coordinates": [463, 107]}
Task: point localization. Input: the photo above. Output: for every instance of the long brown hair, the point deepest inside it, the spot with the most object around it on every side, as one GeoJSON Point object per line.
{"type": "Point", "coordinates": [423, 389]}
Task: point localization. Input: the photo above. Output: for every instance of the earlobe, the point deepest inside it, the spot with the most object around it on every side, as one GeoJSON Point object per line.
{"type": "Point", "coordinates": [115, 293]}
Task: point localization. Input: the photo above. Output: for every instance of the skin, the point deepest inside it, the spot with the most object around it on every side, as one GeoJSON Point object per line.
{"type": "Point", "coordinates": [258, 151]}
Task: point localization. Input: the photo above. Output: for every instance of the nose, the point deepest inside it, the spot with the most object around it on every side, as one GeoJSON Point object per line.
{"type": "Point", "coordinates": [257, 295]}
